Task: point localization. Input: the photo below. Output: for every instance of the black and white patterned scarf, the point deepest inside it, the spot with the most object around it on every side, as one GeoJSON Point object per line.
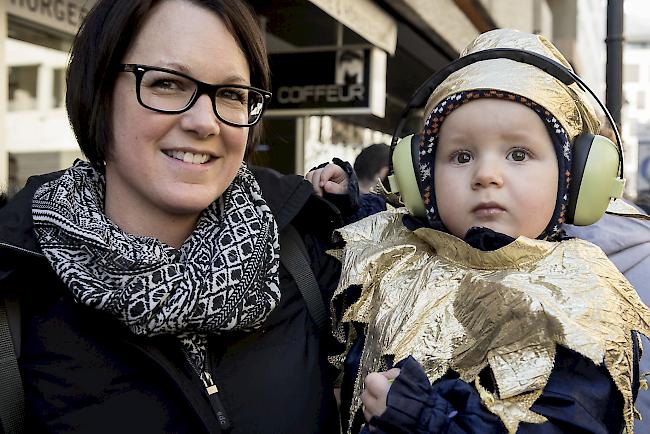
{"type": "Point", "coordinates": [224, 276]}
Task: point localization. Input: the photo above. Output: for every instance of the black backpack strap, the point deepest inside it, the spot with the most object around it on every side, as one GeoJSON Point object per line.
{"type": "Point", "coordinates": [12, 399]}
{"type": "Point", "coordinates": [293, 256]}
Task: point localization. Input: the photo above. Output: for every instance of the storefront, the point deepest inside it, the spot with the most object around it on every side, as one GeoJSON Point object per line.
{"type": "Point", "coordinates": [342, 72]}
{"type": "Point", "coordinates": [37, 137]}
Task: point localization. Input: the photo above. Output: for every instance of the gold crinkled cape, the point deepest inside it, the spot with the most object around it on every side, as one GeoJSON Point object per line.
{"type": "Point", "coordinates": [430, 295]}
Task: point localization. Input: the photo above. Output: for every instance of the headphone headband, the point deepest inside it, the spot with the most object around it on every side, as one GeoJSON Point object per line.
{"type": "Point", "coordinates": [550, 66]}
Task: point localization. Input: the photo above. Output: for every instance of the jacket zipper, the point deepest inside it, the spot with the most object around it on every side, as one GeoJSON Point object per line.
{"type": "Point", "coordinates": [211, 390]}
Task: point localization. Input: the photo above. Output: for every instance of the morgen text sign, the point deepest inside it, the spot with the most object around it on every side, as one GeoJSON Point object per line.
{"type": "Point", "coordinates": [340, 81]}
{"type": "Point", "coordinates": [62, 15]}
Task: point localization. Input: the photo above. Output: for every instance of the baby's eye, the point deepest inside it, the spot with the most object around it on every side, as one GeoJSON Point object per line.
{"type": "Point", "coordinates": [518, 155]}
{"type": "Point", "coordinates": [462, 157]}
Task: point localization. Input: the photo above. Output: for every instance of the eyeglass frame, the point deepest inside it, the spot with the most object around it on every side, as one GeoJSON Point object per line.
{"type": "Point", "coordinates": [202, 88]}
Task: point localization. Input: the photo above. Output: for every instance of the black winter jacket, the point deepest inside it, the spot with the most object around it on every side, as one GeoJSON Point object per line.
{"type": "Point", "coordinates": [84, 372]}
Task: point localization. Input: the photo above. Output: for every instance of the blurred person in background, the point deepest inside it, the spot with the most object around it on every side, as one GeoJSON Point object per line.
{"type": "Point", "coordinates": [371, 165]}
{"type": "Point", "coordinates": [371, 168]}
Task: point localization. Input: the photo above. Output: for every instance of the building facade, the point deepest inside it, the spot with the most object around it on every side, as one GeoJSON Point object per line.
{"type": "Point", "coordinates": [636, 89]}
{"type": "Point", "coordinates": [343, 70]}
{"type": "Point", "coordinates": [36, 37]}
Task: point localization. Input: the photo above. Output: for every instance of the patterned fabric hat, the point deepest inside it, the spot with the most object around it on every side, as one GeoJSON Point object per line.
{"type": "Point", "coordinates": [429, 141]}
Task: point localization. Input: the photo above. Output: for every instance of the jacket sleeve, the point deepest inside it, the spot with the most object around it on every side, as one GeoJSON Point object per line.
{"type": "Point", "coordinates": [579, 397]}
{"type": "Point", "coordinates": [348, 202]}
{"type": "Point", "coordinates": [447, 406]}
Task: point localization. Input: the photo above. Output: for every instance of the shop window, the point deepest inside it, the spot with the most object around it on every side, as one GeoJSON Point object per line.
{"type": "Point", "coordinates": [22, 87]}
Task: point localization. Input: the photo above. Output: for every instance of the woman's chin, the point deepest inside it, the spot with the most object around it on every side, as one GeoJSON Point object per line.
{"type": "Point", "coordinates": [187, 204]}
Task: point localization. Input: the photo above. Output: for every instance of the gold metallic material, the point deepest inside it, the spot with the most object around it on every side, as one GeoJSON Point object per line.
{"type": "Point", "coordinates": [513, 411]}
{"type": "Point", "coordinates": [569, 104]}
{"type": "Point", "coordinates": [430, 295]}
{"type": "Point", "coordinates": [621, 208]}
{"type": "Point", "coordinates": [392, 199]}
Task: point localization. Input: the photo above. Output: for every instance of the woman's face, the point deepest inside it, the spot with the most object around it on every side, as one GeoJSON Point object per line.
{"type": "Point", "coordinates": [156, 169]}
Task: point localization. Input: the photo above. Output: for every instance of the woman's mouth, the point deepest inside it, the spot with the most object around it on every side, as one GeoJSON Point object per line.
{"type": "Point", "coordinates": [188, 157]}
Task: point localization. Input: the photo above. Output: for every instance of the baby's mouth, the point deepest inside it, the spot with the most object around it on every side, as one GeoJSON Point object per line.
{"type": "Point", "coordinates": [188, 157]}
{"type": "Point", "coordinates": [488, 209]}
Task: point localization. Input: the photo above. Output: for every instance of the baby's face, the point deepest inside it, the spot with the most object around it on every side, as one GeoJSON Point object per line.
{"type": "Point", "coordinates": [495, 167]}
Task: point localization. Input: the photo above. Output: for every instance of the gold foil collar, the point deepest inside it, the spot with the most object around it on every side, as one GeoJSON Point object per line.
{"type": "Point", "coordinates": [621, 208]}
{"type": "Point", "coordinates": [422, 296]}
{"type": "Point", "coordinates": [569, 104]}
{"type": "Point", "coordinates": [512, 411]}
{"type": "Point", "coordinates": [455, 250]}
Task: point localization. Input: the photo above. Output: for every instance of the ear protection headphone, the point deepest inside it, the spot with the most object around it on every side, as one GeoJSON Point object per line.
{"type": "Point", "coordinates": [597, 167]}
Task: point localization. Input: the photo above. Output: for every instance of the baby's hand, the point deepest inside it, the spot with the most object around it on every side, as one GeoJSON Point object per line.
{"type": "Point", "coordinates": [328, 179]}
{"type": "Point", "coordinates": [377, 385]}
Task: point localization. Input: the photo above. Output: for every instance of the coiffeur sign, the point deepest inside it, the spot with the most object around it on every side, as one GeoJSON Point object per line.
{"type": "Point", "coordinates": [341, 81]}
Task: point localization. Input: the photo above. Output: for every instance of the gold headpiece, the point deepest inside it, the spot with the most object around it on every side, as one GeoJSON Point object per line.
{"type": "Point", "coordinates": [568, 104]}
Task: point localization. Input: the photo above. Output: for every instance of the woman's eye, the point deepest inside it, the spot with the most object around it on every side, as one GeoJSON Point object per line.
{"type": "Point", "coordinates": [166, 85]}
{"type": "Point", "coordinates": [233, 95]}
{"type": "Point", "coordinates": [462, 157]}
{"type": "Point", "coordinates": [518, 155]}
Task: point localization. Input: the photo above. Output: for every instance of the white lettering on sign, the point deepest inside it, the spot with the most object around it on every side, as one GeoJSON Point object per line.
{"type": "Point", "coordinates": [320, 93]}
{"type": "Point", "coordinates": [64, 15]}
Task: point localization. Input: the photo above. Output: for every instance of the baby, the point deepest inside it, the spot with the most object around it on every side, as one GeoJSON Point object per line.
{"type": "Point", "coordinates": [499, 322]}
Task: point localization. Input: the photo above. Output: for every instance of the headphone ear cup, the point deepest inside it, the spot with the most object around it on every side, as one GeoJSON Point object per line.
{"type": "Point", "coordinates": [403, 180]}
{"type": "Point", "coordinates": [594, 179]}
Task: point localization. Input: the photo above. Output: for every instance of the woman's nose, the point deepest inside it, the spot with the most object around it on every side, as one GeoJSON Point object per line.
{"type": "Point", "coordinates": [200, 119]}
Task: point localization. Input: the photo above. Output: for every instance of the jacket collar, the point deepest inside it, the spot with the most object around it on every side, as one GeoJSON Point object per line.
{"type": "Point", "coordinates": [291, 196]}
{"type": "Point", "coordinates": [17, 228]}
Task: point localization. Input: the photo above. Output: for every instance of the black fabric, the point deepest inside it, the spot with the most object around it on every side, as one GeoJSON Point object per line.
{"type": "Point", "coordinates": [579, 398]}
{"type": "Point", "coordinates": [16, 216]}
{"type": "Point", "coordinates": [295, 259]}
{"type": "Point", "coordinates": [450, 405]}
{"type": "Point", "coordinates": [486, 239]}
{"type": "Point", "coordinates": [12, 402]}
{"type": "Point", "coordinates": [84, 372]}
{"type": "Point", "coordinates": [347, 203]}
{"type": "Point", "coordinates": [369, 204]}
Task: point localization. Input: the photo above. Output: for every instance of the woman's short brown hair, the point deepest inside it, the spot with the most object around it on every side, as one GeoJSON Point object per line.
{"type": "Point", "coordinates": [103, 40]}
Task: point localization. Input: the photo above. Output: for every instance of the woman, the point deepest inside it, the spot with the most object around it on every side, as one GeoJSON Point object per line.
{"type": "Point", "coordinates": [151, 291]}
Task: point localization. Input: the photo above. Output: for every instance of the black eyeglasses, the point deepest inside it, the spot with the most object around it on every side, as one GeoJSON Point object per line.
{"type": "Point", "coordinates": [167, 91]}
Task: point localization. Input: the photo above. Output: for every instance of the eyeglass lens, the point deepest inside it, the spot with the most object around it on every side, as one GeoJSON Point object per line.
{"type": "Point", "coordinates": [166, 91]}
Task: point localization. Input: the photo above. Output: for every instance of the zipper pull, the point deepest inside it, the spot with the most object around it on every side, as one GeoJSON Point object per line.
{"type": "Point", "coordinates": [217, 406]}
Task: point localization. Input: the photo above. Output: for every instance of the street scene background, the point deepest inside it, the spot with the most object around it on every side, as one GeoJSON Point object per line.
{"type": "Point", "coordinates": [343, 71]}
